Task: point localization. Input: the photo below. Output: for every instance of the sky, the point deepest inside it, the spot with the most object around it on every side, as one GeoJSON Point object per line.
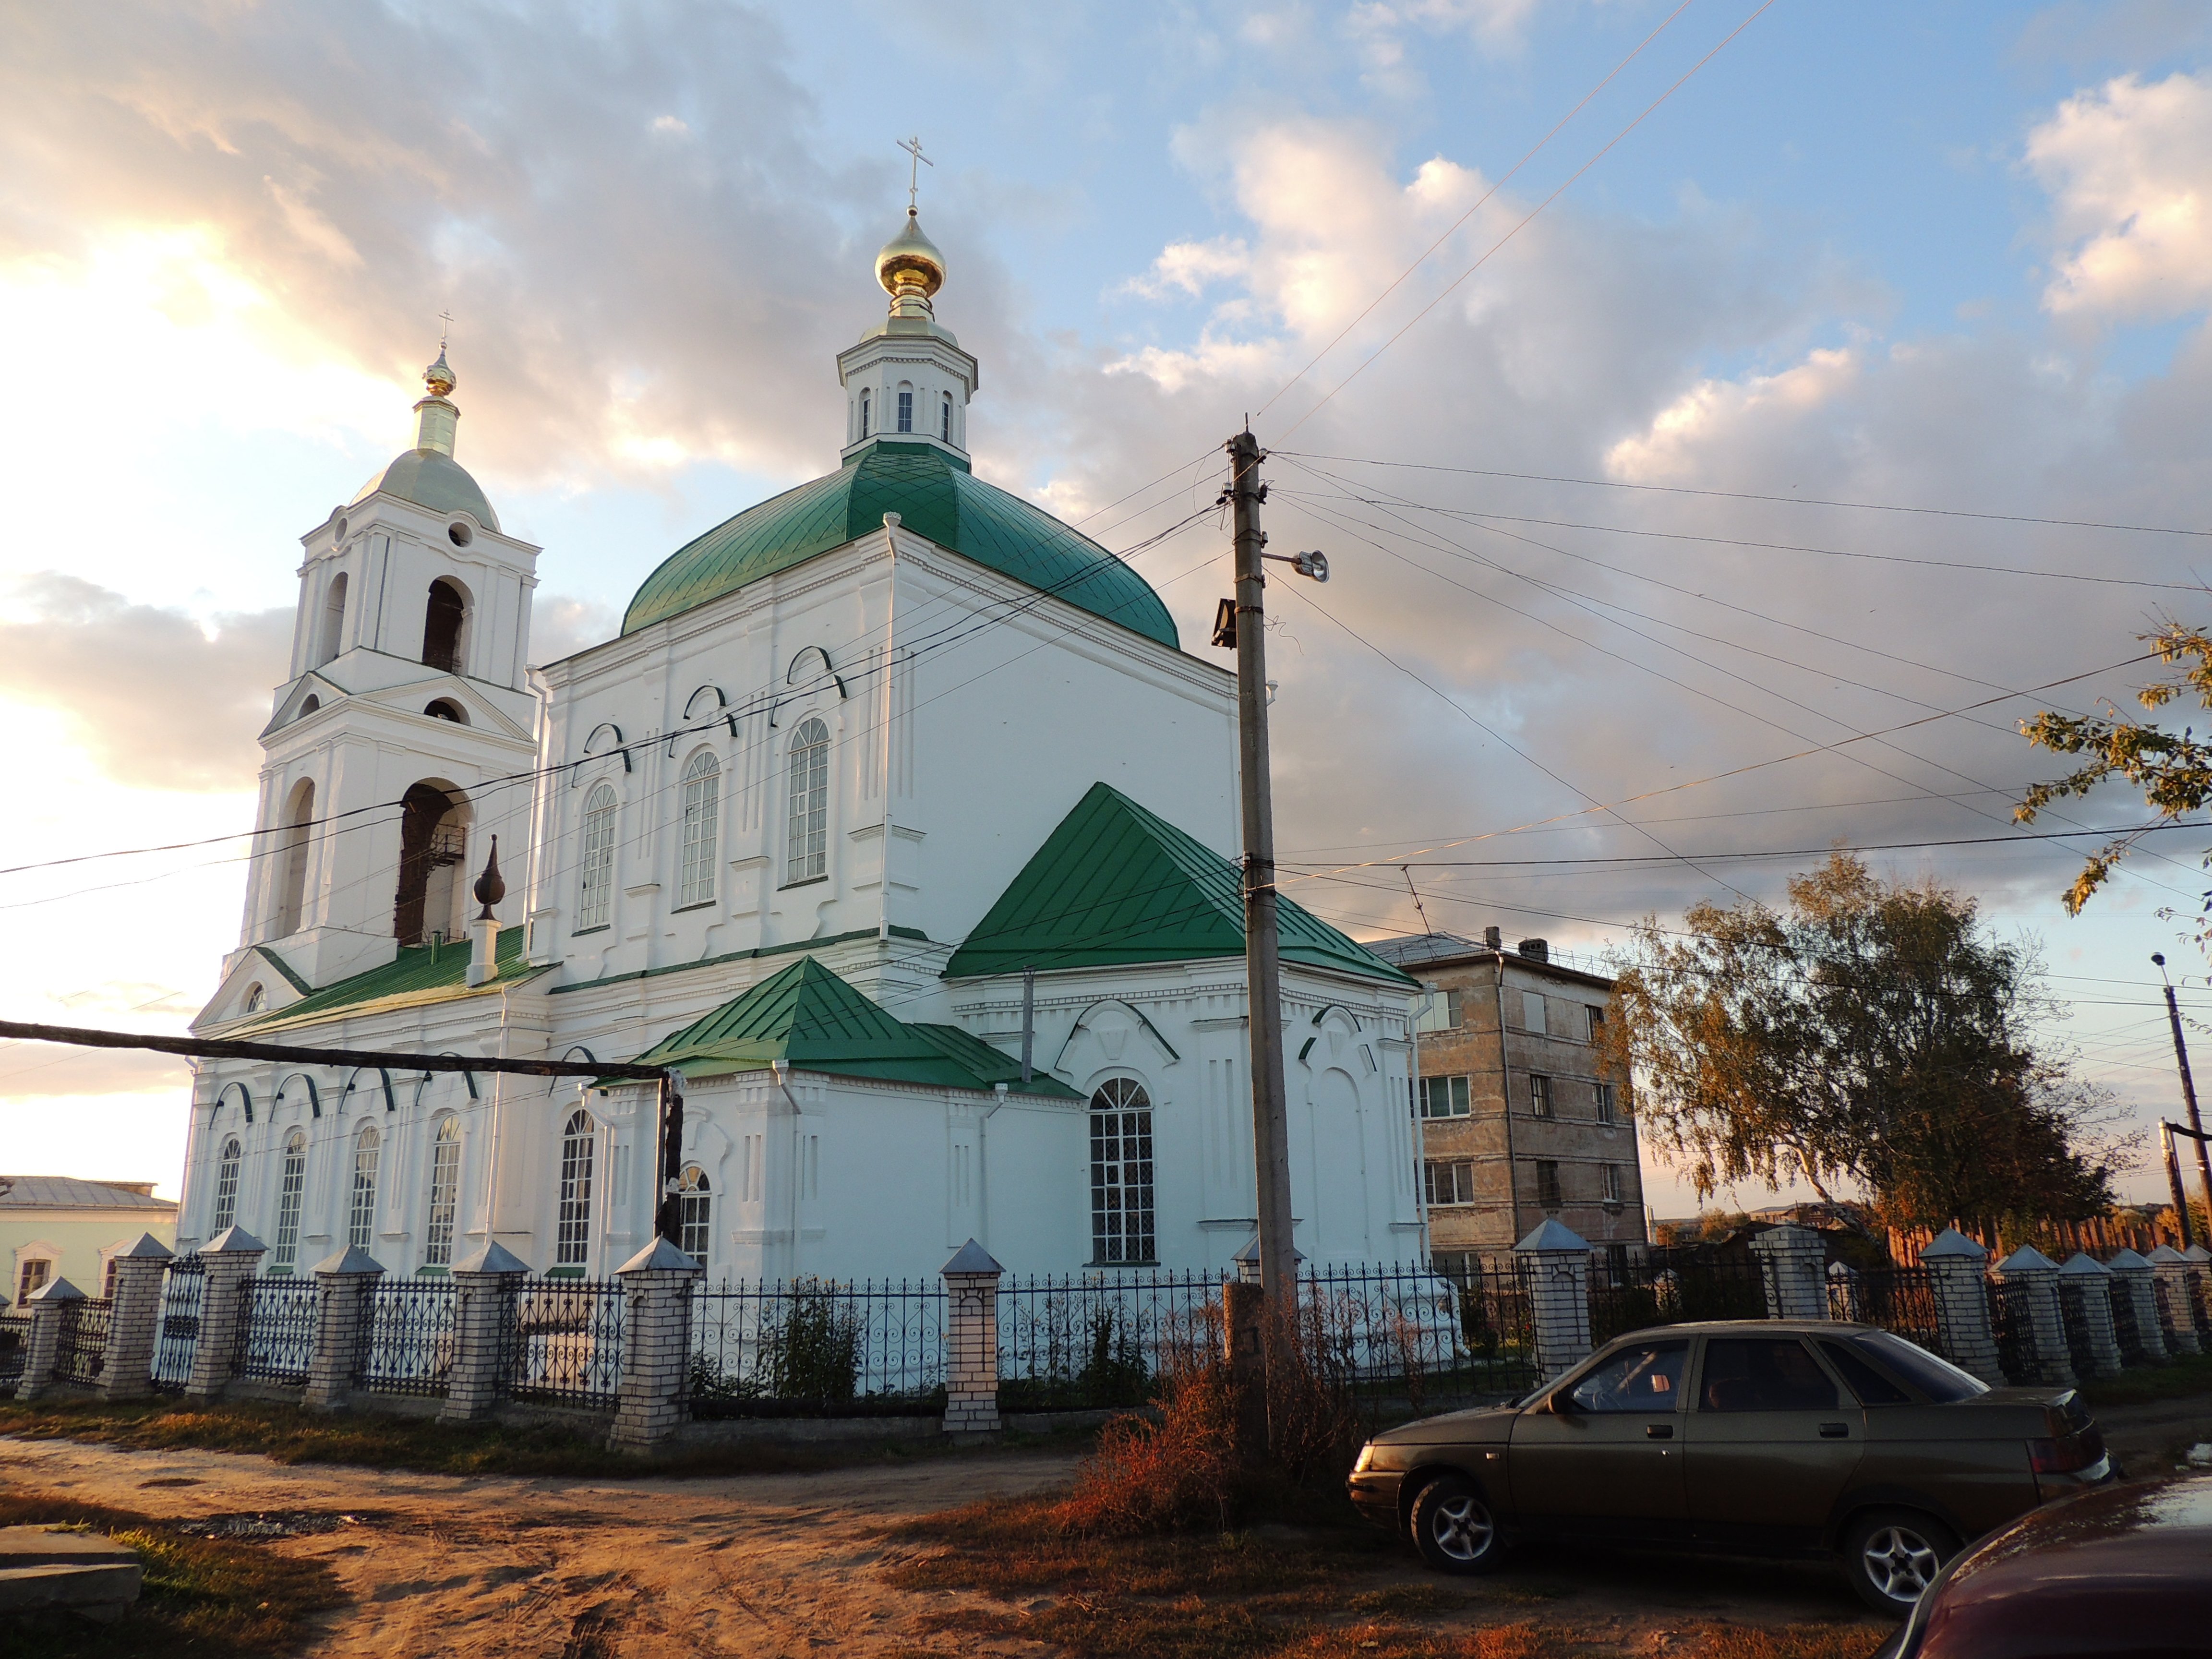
{"type": "Point", "coordinates": [1567, 325]}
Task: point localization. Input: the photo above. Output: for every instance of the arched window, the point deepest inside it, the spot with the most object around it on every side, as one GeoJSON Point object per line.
{"type": "Point", "coordinates": [226, 1187]}
{"type": "Point", "coordinates": [864, 411]}
{"type": "Point", "coordinates": [945, 417]}
{"type": "Point", "coordinates": [444, 708]}
{"type": "Point", "coordinates": [906, 409]}
{"type": "Point", "coordinates": [360, 1207]}
{"type": "Point", "coordinates": [595, 881]}
{"type": "Point", "coordinates": [702, 802]}
{"type": "Point", "coordinates": [696, 1215]}
{"type": "Point", "coordinates": [309, 704]}
{"type": "Point", "coordinates": [442, 626]}
{"type": "Point", "coordinates": [289, 1189]}
{"type": "Point", "coordinates": [333, 639]}
{"type": "Point", "coordinates": [445, 1193]}
{"type": "Point", "coordinates": [572, 1241]}
{"type": "Point", "coordinates": [256, 998]}
{"type": "Point", "coordinates": [1121, 1172]}
{"type": "Point", "coordinates": [806, 855]}
{"type": "Point", "coordinates": [292, 862]}
{"type": "Point", "coordinates": [433, 844]}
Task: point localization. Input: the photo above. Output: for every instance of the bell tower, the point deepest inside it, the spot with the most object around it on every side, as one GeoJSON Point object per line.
{"type": "Point", "coordinates": [907, 381]}
{"type": "Point", "coordinates": [405, 736]}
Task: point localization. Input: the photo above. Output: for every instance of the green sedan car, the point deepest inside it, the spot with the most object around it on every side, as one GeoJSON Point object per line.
{"type": "Point", "coordinates": [1787, 1437]}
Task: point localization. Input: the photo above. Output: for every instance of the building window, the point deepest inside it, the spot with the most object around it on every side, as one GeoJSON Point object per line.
{"type": "Point", "coordinates": [107, 1278]}
{"type": "Point", "coordinates": [292, 874]}
{"type": "Point", "coordinates": [1596, 1016]}
{"type": "Point", "coordinates": [572, 1241]}
{"type": "Point", "coordinates": [445, 1194]}
{"type": "Point", "coordinates": [1449, 1182]}
{"type": "Point", "coordinates": [361, 1208]}
{"type": "Point", "coordinates": [333, 621]}
{"type": "Point", "coordinates": [1609, 1182]}
{"type": "Point", "coordinates": [433, 845]}
{"type": "Point", "coordinates": [442, 621]}
{"type": "Point", "coordinates": [32, 1277]}
{"type": "Point", "coordinates": [1532, 1011]}
{"type": "Point", "coordinates": [945, 418]}
{"type": "Point", "coordinates": [289, 1187]}
{"type": "Point", "coordinates": [864, 411]}
{"type": "Point", "coordinates": [595, 882]}
{"type": "Point", "coordinates": [255, 998]}
{"type": "Point", "coordinates": [703, 801]}
{"type": "Point", "coordinates": [695, 1215]}
{"type": "Point", "coordinates": [1604, 1093]}
{"type": "Point", "coordinates": [806, 854]}
{"type": "Point", "coordinates": [1539, 1095]}
{"type": "Point", "coordinates": [1120, 1173]}
{"type": "Point", "coordinates": [906, 409]}
{"type": "Point", "coordinates": [1444, 1096]}
{"type": "Point", "coordinates": [226, 1187]}
{"type": "Point", "coordinates": [1548, 1184]}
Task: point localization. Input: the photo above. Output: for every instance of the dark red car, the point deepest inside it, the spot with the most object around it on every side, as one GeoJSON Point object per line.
{"type": "Point", "coordinates": [2121, 1572]}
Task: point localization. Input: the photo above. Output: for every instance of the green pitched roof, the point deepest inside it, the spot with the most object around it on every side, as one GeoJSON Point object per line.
{"type": "Point", "coordinates": [418, 973]}
{"type": "Point", "coordinates": [809, 1017]}
{"type": "Point", "coordinates": [935, 495]}
{"type": "Point", "coordinates": [1116, 884]}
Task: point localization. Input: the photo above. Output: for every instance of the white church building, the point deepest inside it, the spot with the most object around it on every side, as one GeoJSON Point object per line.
{"type": "Point", "coordinates": [863, 763]}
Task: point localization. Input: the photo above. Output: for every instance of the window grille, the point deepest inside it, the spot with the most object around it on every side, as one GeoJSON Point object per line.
{"type": "Point", "coordinates": [445, 1194]}
{"type": "Point", "coordinates": [1539, 1095]}
{"type": "Point", "coordinates": [906, 411]}
{"type": "Point", "coordinates": [1448, 1182]}
{"type": "Point", "coordinates": [226, 1187]}
{"type": "Point", "coordinates": [1548, 1184]}
{"type": "Point", "coordinates": [573, 1238]}
{"type": "Point", "coordinates": [1120, 1173]}
{"type": "Point", "coordinates": [702, 799]}
{"type": "Point", "coordinates": [361, 1212]}
{"type": "Point", "coordinates": [695, 1215]}
{"type": "Point", "coordinates": [807, 855]}
{"type": "Point", "coordinates": [1604, 1093]}
{"type": "Point", "coordinates": [595, 888]}
{"type": "Point", "coordinates": [1444, 1097]}
{"type": "Point", "coordinates": [289, 1187]}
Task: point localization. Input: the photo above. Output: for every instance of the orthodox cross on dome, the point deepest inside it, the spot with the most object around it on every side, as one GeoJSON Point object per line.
{"type": "Point", "coordinates": [446, 332]}
{"type": "Point", "coordinates": [913, 147]}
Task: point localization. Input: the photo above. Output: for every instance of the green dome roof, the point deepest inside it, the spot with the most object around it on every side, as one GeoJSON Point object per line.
{"type": "Point", "coordinates": [432, 479]}
{"type": "Point", "coordinates": [935, 495]}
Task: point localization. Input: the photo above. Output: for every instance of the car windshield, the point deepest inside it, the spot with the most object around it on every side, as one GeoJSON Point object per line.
{"type": "Point", "coordinates": [1939, 1379]}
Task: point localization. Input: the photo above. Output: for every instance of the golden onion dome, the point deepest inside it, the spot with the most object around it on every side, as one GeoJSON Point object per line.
{"type": "Point", "coordinates": [910, 263]}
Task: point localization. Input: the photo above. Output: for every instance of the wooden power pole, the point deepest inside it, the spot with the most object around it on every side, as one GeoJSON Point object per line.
{"type": "Point", "coordinates": [2188, 1093]}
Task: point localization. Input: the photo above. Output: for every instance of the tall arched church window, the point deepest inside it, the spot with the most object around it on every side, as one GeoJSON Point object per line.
{"type": "Point", "coordinates": [432, 845]}
{"type": "Point", "coordinates": [702, 804]}
{"type": "Point", "coordinates": [1121, 1172]}
{"type": "Point", "coordinates": [442, 621]}
{"type": "Point", "coordinates": [361, 1206]}
{"type": "Point", "coordinates": [864, 411]}
{"type": "Point", "coordinates": [807, 852]}
{"type": "Point", "coordinates": [290, 1187]}
{"type": "Point", "coordinates": [226, 1187]}
{"type": "Point", "coordinates": [333, 635]}
{"type": "Point", "coordinates": [595, 877]}
{"type": "Point", "coordinates": [292, 863]}
{"type": "Point", "coordinates": [695, 1215]}
{"type": "Point", "coordinates": [445, 1193]}
{"type": "Point", "coordinates": [572, 1238]}
{"type": "Point", "coordinates": [906, 409]}
{"type": "Point", "coordinates": [945, 417]}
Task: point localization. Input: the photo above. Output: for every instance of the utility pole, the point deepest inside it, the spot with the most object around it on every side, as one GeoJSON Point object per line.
{"type": "Point", "coordinates": [2173, 1180]}
{"type": "Point", "coordinates": [671, 1159]}
{"type": "Point", "coordinates": [2188, 1089]}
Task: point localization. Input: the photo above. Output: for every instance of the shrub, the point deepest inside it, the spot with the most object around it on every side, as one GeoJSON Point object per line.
{"type": "Point", "coordinates": [1176, 1471]}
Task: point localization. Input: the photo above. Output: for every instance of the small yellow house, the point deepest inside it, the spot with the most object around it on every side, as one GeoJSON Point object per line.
{"type": "Point", "coordinates": [60, 1227]}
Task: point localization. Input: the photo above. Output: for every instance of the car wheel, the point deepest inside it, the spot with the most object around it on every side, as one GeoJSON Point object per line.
{"type": "Point", "coordinates": [1454, 1528]}
{"type": "Point", "coordinates": [1892, 1555]}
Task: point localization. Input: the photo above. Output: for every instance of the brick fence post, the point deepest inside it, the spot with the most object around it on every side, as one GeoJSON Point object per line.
{"type": "Point", "coordinates": [53, 1306]}
{"type": "Point", "coordinates": [134, 1319]}
{"type": "Point", "coordinates": [233, 1257]}
{"type": "Point", "coordinates": [2199, 1299]}
{"type": "Point", "coordinates": [2036, 1277]}
{"type": "Point", "coordinates": [2095, 1280]}
{"type": "Point", "coordinates": [2132, 1278]}
{"type": "Point", "coordinates": [1554, 1264]}
{"type": "Point", "coordinates": [972, 1341]}
{"type": "Point", "coordinates": [345, 1293]}
{"type": "Point", "coordinates": [484, 1285]}
{"type": "Point", "coordinates": [1793, 1262]}
{"type": "Point", "coordinates": [2170, 1271]}
{"type": "Point", "coordinates": [656, 1345]}
{"type": "Point", "coordinates": [1958, 1271]}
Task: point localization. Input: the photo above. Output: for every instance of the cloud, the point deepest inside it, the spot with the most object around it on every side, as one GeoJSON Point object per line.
{"type": "Point", "coordinates": [31, 1070]}
{"type": "Point", "coordinates": [154, 698]}
{"type": "Point", "coordinates": [2126, 166]}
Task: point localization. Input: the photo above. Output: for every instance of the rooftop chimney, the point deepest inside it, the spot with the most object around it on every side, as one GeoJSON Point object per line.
{"type": "Point", "coordinates": [1493, 939]}
{"type": "Point", "coordinates": [1536, 949]}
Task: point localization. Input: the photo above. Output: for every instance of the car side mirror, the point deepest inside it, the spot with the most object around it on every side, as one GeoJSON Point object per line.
{"type": "Point", "coordinates": [1562, 1404]}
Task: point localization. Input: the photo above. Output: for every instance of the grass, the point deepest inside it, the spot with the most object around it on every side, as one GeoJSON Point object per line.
{"type": "Point", "coordinates": [201, 1596]}
{"type": "Point", "coordinates": [2177, 1379]}
{"type": "Point", "coordinates": [291, 1435]}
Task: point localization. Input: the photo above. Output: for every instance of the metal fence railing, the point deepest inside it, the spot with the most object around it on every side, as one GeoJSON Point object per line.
{"type": "Point", "coordinates": [2011, 1322]}
{"type": "Point", "coordinates": [275, 1330]}
{"type": "Point", "coordinates": [177, 1336]}
{"type": "Point", "coordinates": [818, 1347]}
{"type": "Point", "coordinates": [1100, 1338]}
{"type": "Point", "coordinates": [1667, 1287]}
{"type": "Point", "coordinates": [15, 1349]}
{"type": "Point", "coordinates": [1406, 1338]}
{"type": "Point", "coordinates": [564, 1345]}
{"type": "Point", "coordinates": [2074, 1315]}
{"type": "Point", "coordinates": [1899, 1299]}
{"type": "Point", "coordinates": [2127, 1329]}
{"type": "Point", "coordinates": [81, 1351]}
{"type": "Point", "coordinates": [409, 1343]}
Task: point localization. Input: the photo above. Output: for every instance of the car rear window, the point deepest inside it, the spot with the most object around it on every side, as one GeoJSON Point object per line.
{"type": "Point", "coordinates": [1872, 1388]}
{"type": "Point", "coordinates": [1939, 1379]}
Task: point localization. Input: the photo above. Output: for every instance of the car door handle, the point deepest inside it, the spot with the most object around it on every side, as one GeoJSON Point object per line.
{"type": "Point", "coordinates": [1835, 1430]}
{"type": "Point", "coordinates": [1659, 1430]}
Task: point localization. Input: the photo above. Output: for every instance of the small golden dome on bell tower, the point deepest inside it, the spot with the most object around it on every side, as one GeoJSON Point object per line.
{"type": "Point", "coordinates": [910, 268]}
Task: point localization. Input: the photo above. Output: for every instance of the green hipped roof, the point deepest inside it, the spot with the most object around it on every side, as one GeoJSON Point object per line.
{"type": "Point", "coordinates": [418, 968]}
{"type": "Point", "coordinates": [809, 1017]}
{"type": "Point", "coordinates": [1116, 884]}
{"type": "Point", "coordinates": [935, 495]}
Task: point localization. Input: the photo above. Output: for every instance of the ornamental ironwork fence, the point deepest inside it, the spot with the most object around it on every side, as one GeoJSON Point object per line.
{"type": "Point", "coordinates": [275, 1330]}
{"type": "Point", "coordinates": [818, 1347]}
{"type": "Point", "coordinates": [1665, 1287]}
{"type": "Point", "coordinates": [14, 1348]}
{"type": "Point", "coordinates": [1088, 1340]}
{"type": "Point", "coordinates": [1899, 1299]}
{"type": "Point", "coordinates": [2127, 1330]}
{"type": "Point", "coordinates": [564, 1346]}
{"type": "Point", "coordinates": [1406, 1339]}
{"type": "Point", "coordinates": [81, 1349]}
{"type": "Point", "coordinates": [2074, 1315]}
{"type": "Point", "coordinates": [177, 1337]}
{"type": "Point", "coordinates": [409, 1343]}
{"type": "Point", "coordinates": [2012, 1323]}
